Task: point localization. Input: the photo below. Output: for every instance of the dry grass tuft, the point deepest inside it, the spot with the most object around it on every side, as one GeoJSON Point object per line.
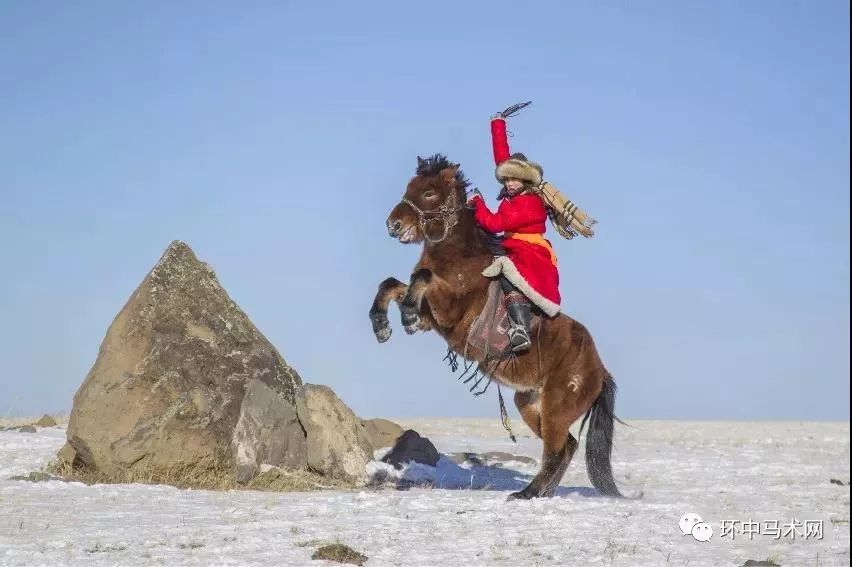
{"type": "Point", "coordinates": [201, 477]}
{"type": "Point", "coordinates": [339, 553]}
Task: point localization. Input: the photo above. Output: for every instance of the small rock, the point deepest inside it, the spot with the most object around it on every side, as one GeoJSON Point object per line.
{"type": "Point", "coordinates": [339, 553]}
{"type": "Point", "coordinates": [502, 457]}
{"type": "Point", "coordinates": [67, 455]}
{"type": "Point", "coordinates": [412, 447]}
{"type": "Point", "coordinates": [27, 429]}
{"type": "Point", "coordinates": [754, 563]}
{"type": "Point", "coordinates": [838, 481]}
{"type": "Point", "coordinates": [46, 421]}
{"type": "Point", "coordinates": [382, 432]}
{"type": "Point", "coordinates": [491, 458]}
{"type": "Point", "coordinates": [462, 458]}
{"type": "Point", "coordinates": [243, 473]}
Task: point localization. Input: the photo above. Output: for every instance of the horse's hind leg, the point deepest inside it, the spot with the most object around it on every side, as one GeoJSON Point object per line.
{"type": "Point", "coordinates": [571, 447]}
{"type": "Point", "coordinates": [528, 406]}
{"type": "Point", "coordinates": [389, 290]}
{"type": "Point", "coordinates": [559, 409]}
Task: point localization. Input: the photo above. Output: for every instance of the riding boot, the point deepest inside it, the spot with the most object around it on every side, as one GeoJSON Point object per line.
{"type": "Point", "coordinates": [520, 317]}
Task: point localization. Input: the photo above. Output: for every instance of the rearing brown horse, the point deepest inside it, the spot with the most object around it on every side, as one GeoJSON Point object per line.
{"type": "Point", "coordinates": [556, 382]}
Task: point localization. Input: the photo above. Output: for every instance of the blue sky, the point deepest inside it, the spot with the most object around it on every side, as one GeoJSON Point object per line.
{"type": "Point", "coordinates": [710, 139]}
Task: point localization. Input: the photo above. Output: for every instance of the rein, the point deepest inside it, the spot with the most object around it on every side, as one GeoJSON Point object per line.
{"type": "Point", "coordinates": [447, 212]}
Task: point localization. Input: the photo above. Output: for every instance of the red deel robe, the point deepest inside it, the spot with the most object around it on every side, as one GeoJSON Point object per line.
{"type": "Point", "coordinates": [529, 263]}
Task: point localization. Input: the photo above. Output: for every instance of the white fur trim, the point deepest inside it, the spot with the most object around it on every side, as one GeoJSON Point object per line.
{"type": "Point", "coordinates": [503, 265]}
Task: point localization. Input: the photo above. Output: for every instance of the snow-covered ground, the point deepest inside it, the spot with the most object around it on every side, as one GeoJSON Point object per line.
{"type": "Point", "coordinates": [763, 472]}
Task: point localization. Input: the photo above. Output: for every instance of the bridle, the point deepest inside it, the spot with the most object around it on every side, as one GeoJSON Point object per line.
{"type": "Point", "coordinates": [447, 212]}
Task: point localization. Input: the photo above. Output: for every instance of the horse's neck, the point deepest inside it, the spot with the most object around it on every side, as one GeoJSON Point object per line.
{"type": "Point", "coordinates": [458, 261]}
{"type": "Point", "coordinates": [464, 240]}
{"type": "Point", "coordinates": [460, 258]}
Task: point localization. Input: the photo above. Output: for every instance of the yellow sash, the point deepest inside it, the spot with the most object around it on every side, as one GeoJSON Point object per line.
{"type": "Point", "coordinates": [538, 239]}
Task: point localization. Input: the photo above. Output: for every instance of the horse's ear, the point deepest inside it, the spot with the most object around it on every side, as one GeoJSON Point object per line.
{"type": "Point", "coordinates": [448, 174]}
{"type": "Point", "coordinates": [420, 162]}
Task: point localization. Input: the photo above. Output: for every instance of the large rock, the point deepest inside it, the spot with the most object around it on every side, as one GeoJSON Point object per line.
{"type": "Point", "coordinates": [268, 431]}
{"type": "Point", "coordinates": [381, 432]}
{"type": "Point", "coordinates": [337, 444]}
{"type": "Point", "coordinates": [184, 381]}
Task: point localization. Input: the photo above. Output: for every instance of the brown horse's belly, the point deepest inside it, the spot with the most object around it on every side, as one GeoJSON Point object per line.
{"type": "Point", "coordinates": [516, 383]}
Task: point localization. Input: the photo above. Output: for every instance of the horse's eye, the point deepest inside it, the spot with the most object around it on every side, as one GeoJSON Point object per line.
{"type": "Point", "coordinates": [429, 194]}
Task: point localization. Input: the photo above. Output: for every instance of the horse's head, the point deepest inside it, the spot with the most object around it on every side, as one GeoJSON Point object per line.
{"type": "Point", "coordinates": [430, 207]}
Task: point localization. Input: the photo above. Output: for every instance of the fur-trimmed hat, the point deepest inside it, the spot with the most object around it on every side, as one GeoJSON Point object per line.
{"type": "Point", "coordinates": [519, 167]}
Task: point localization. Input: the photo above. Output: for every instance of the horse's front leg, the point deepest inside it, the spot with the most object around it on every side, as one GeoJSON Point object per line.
{"type": "Point", "coordinates": [411, 303]}
{"type": "Point", "coordinates": [389, 290]}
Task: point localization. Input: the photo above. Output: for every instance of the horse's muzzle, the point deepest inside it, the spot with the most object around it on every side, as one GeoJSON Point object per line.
{"type": "Point", "coordinates": [394, 227]}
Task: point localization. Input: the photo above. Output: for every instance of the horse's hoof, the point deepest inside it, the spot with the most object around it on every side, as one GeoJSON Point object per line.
{"type": "Point", "coordinates": [411, 324]}
{"type": "Point", "coordinates": [549, 493]}
{"type": "Point", "coordinates": [381, 326]}
{"type": "Point", "coordinates": [382, 335]}
{"type": "Point", "coordinates": [521, 495]}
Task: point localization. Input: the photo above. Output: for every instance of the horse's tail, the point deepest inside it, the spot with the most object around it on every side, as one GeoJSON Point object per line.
{"type": "Point", "coordinates": [599, 439]}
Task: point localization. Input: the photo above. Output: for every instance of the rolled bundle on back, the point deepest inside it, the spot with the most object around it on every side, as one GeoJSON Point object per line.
{"type": "Point", "coordinates": [568, 219]}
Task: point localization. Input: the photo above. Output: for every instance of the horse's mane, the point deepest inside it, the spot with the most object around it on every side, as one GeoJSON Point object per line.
{"type": "Point", "coordinates": [433, 165]}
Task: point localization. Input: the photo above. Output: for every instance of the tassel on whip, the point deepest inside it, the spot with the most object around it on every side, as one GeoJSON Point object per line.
{"type": "Point", "coordinates": [514, 109]}
{"type": "Point", "coordinates": [504, 415]}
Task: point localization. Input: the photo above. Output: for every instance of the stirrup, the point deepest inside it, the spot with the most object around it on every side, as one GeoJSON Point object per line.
{"type": "Point", "coordinates": [519, 339]}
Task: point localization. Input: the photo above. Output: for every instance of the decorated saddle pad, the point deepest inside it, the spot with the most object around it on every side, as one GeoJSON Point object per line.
{"type": "Point", "coordinates": [488, 337]}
